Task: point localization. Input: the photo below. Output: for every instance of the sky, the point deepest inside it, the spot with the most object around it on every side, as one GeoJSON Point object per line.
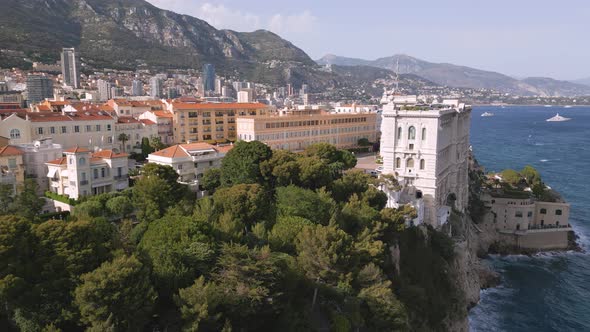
{"type": "Point", "coordinates": [520, 38]}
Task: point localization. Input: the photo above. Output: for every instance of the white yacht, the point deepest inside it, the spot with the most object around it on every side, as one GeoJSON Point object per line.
{"type": "Point", "coordinates": [558, 118]}
{"type": "Point", "coordinates": [487, 114]}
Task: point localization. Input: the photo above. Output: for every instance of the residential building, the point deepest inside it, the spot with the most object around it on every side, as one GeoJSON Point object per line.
{"type": "Point", "coordinates": [105, 91]}
{"type": "Point", "coordinates": [355, 108]}
{"type": "Point", "coordinates": [16, 127]}
{"type": "Point", "coordinates": [35, 155]}
{"type": "Point", "coordinates": [117, 92]}
{"type": "Point", "coordinates": [208, 77]}
{"type": "Point", "coordinates": [11, 97]}
{"type": "Point", "coordinates": [129, 108]}
{"type": "Point", "coordinates": [218, 85]}
{"type": "Point", "coordinates": [210, 121]}
{"type": "Point", "coordinates": [70, 68]}
{"type": "Point", "coordinates": [156, 87]}
{"type": "Point", "coordinates": [135, 131]}
{"type": "Point", "coordinates": [190, 161]}
{"type": "Point", "coordinates": [83, 173]}
{"type": "Point", "coordinates": [39, 87]}
{"type": "Point", "coordinates": [426, 147]}
{"type": "Point", "coordinates": [164, 123]}
{"type": "Point", "coordinates": [244, 96]}
{"type": "Point", "coordinates": [12, 168]}
{"type": "Point", "coordinates": [295, 130]}
{"type": "Point", "coordinates": [137, 88]}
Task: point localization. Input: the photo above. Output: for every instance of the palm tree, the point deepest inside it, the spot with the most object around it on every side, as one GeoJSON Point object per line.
{"type": "Point", "coordinates": [123, 138]}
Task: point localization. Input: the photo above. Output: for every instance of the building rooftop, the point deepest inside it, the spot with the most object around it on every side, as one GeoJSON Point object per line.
{"type": "Point", "coordinates": [10, 150]}
{"type": "Point", "coordinates": [213, 106]}
{"type": "Point", "coordinates": [109, 154]}
{"type": "Point", "coordinates": [77, 149]}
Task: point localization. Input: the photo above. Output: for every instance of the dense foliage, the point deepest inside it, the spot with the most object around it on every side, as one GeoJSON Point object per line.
{"type": "Point", "coordinates": [286, 242]}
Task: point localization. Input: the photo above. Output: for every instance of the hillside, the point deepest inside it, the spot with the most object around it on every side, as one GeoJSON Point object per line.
{"type": "Point", "coordinates": [127, 34]}
{"type": "Point", "coordinates": [465, 77]}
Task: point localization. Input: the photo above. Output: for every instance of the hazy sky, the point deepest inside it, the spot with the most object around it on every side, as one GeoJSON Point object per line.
{"type": "Point", "coordinates": [516, 37]}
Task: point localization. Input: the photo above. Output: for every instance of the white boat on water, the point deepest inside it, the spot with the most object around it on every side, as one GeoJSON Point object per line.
{"type": "Point", "coordinates": [568, 106]}
{"type": "Point", "coordinates": [548, 106]}
{"type": "Point", "coordinates": [558, 118]}
{"type": "Point", "coordinates": [487, 114]}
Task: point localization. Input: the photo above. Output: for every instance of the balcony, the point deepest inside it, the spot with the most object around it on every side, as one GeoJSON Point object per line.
{"type": "Point", "coordinates": [84, 182]}
{"type": "Point", "coordinates": [206, 122]}
{"type": "Point", "coordinates": [120, 177]}
{"type": "Point", "coordinates": [218, 121]}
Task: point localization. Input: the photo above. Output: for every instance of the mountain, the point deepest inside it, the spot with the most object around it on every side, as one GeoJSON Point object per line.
{"type": "Point", "coordinates": [127, 34]}
{"type": "Point", "coordinates": [465, 77]}
{"type": "Point", "coordinates": [583, 81]}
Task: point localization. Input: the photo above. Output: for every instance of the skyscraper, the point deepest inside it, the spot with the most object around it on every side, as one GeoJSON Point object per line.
{"type": "Point", "coordinates": [137, 88]}
{"type": "Point", "coordinates": [209, 77]}
{"type": "Point", "coordinates": [39, 87]}
{"type": "Point", "coordinates": [104, 90]}
{"type": "Point", "coordinates": [70, 67]}
{"type": "Point", "coordinates": [156, 89]}
{"type": "Point", "coordinates": [218, 85]}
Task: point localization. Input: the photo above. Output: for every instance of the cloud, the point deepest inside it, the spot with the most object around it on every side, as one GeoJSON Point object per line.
{"type": "Point", "coordinates": [223, 17]}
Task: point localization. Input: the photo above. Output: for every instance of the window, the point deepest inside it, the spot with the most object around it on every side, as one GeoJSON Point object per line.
{"type": "Point", "coordinates": [423, 134]}
{"type": "Point", "coordinates": [76, 129]}
{"type": "Point", "coordinates": [88, 128]}
{"type": "Point", "coordinates": [410, 163]}
{"type": "Point", "coordinates": [97, 127]}
{"type": "Point", "coordinates": [558, 212]}
{"type": "Point", "coordinates": [179, 167]}
{"type": "Point", "coordinates": [64, 129]}
{"type": "Point", "coordinates": [108, 127]}
{"type": "Point", "coordinates": [40, 130]}
{"type": "Point", "coordinates": [82, 161]}
{"type": "Point", "coordinates": [12, 163]}
{"type": "Point", "coordinates": [399, 133]}
{"type": "Point", "coordinates": [110, 139]}
{"type": "Point", "coordinates": [422, 163]}
{"type": "Point", "coordinates": [543, 211]}
{"type": "Point", "coordinates": [412, 133]}
{"type": "Point", "coordinates": [411, 147]}
{"type": "Point", "coordinates": [518, 214]}
{"type": "Point", "coordinates": [15, 134]}
{"type": "Point", "coordinates": [95, 173]}
{"type": "Point", "coordinates": [102, 173]}
{"type": "Point", "coordinates": [398, 162]}
{"type": "Point", "coordinates": [52, 130]}
{"type": "Point", "coordinates": [529, 214]}
{"type": "Point", "coordinates": [71, 160]}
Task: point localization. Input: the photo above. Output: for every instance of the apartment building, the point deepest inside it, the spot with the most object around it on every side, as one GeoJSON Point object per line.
{"type": "Point", "coordinates": [164, 123]}
{"type": "Point", "coordinates": [210, 121]}
{"type": "Point", "coordinates": [82, 173]}
{"type": "Point", "coordinates": [132, 108]}
{"type": "Point", "coordinates": [12, 168]}
{"type": "Point", "coordinates": [295, 130]}
{"type": "Point", "coordinates": [191, 160]}
{"type": "Point", "coordinates": [135, 130]}
{"type": "Point", "coordinates": [35, 155]}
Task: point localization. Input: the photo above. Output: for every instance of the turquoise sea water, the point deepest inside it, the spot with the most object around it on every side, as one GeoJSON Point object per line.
{"type": "Point", "coordinates": [549, 291]}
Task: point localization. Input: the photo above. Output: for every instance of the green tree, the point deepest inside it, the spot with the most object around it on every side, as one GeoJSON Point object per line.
{"type": "Point", "coordinates": [511, 177]}
{"type": "Point", "coordinates": [6, 199]}
{"type": "Point", "coordinates": [89, 209]}
{"type": "Point", "coordinates": [315, 206]}
{"type": "Point", "coordinates": [353, 182]}
{"type": "Point", "coordinates": [199, 305]}
{"type": "Point", "coordinates": [156, 143]}
{"type": "Point", "coordinates": [282, 169]}
{"type": "Point", "coordinates": [27, 203]}
{"type": "Point", "coordinates": [314, 172]}
{"type": "Point", "coordinates": [284, 232]}
{"type": "Point", "coordinates": [325, 253]}
{"type": "Point", "coordinates": [120, 206]}
{"type": "Point", "coordinates": [363, 142]}
{"type": "Point", "coordinates": [120, 291]}
{"type": "Point", "coordinates": [146, 147]}
{"type": "Point", "coordinates": [531, 175]}
{"type": "Point", "coordinates": [242, 163]}
{"type": "Point", "coordinates": [211, 180]}
{"type": "Point", "coordinates": [179, 250]}
{"type": "Point", "coordinates": [123, 138]}
{"type": "Point", "coordinates": [248, 203]}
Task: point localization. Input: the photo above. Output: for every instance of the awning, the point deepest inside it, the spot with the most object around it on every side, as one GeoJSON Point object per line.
{"type": "Point", "coordinates": [52, 172]}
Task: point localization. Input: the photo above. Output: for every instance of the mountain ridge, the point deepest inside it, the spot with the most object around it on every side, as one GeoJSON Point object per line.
{"type": "Point", "coordinates": [452, 75]}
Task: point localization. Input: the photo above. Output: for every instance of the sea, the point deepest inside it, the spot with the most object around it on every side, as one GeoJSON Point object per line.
{"type": "Point", "coordinates": [548, 291]}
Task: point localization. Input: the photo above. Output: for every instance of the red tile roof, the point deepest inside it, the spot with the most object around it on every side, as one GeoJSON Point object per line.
{"type": "Point", "coordinates": [109, 154]}
{"type": "Point", "coordinates": [77, 149]}
{"type": "Point", "coordinates": [60, 161]}
{"type": "Point", "coordinates": [163, 114]}
{"type": "Point", "coordinates": [9, 150]}
{"type": "Point", "coordinates": [180, 150]}
{"type": "Point", "coordinates": [58, 117]}
{"type": "Point", "coordinates": [215, 106]}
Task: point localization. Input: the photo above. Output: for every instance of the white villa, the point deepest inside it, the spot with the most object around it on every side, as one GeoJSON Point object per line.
{"type": "Point", "coordinates": [426, 147]}
{"type": "Point", "coordinates": [191, 160]}
{"type": "Point", "coordinates": [81, 173]}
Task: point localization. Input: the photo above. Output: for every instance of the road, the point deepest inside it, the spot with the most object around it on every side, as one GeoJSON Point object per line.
{"type": "Point", "coordinates": [366, 162]}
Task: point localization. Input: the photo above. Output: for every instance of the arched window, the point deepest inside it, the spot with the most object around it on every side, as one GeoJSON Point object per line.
{"type": "Point", "coordinates": [412, 132]}
{"type": "Point", "coordinates": [15, 134]}
{"type": "Point", "coordinates": [422, 163]}
{"type": "Point", "coordinates": [410, 163]}
{"type": "Point", "coordinates": [558, 212]}
{"type": "Point", "coordinates": [82, 161]}
{"type": "Point", "coordinates": [398, 162]}
{"type": "Point", "coordinates": [423, 134]}
{"type": "Point", "coordinates": [399, 133]}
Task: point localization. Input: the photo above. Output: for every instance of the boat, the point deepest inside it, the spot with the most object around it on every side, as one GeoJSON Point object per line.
{"type": "Point", "coordinates": [548, 106]}
{"type": "Point", "coordinates": [568, 106]}
{"type": "Point", "coordinates": [487, 114]}
{"type": "Point", "coordinates": [558, 118]}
